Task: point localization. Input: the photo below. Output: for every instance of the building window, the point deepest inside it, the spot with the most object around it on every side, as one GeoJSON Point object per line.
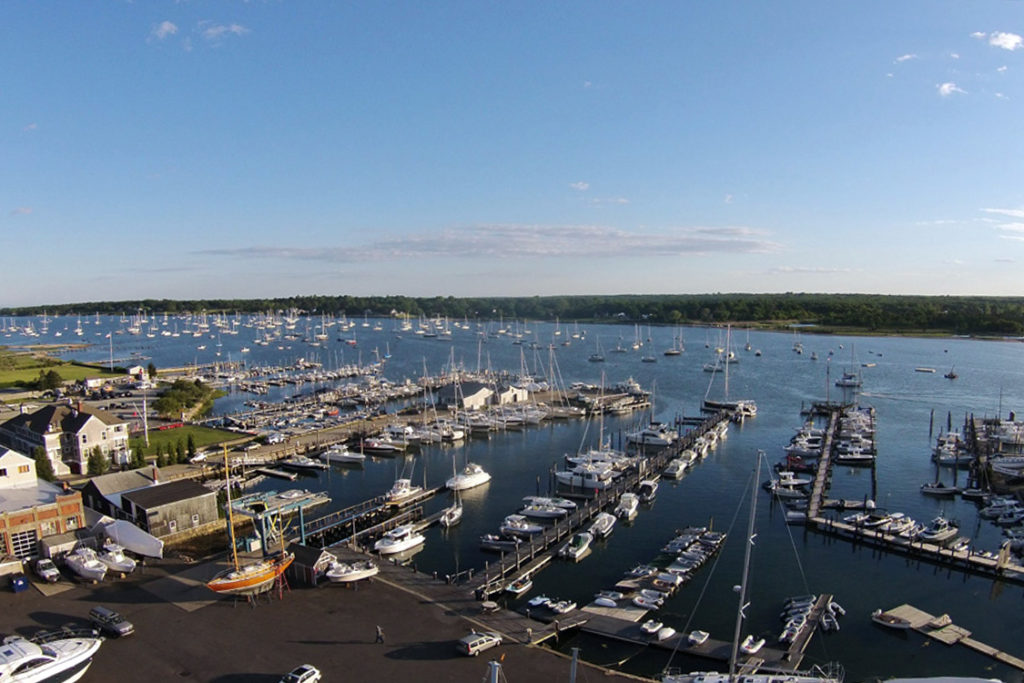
{"type": "Point", "coordinates": [195, 520]}
{"type": "Point", "coordinates": [72, 523]}
{"type": "Point", "coordinates": [23, 544]}
{"type": "Point", "coordinates": [172, 525]}
{"type": "Point", "coordinates": [23, 469]}
{"type": "Point", "coordinates": [3, 471]}
{"type": "Point", "coordinates": [48, 528]}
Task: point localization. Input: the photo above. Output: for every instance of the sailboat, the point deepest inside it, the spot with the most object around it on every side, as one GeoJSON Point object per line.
{"type": "Point", "coordinates": [251, 577]}
{"type": "Point", "coordinates": [597, 356]}
{"type": "Point", "coordinates": [750, 645]}
{"type": "Point", "coordinates": [452, 514]}
{"type": "Point", "coordinates": [740, 409]}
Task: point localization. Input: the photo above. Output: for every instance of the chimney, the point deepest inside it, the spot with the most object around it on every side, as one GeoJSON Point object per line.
{"type": "Point", "coordinates": [155, 475]}
{"type": "Point", "coordinates": [78, 407]}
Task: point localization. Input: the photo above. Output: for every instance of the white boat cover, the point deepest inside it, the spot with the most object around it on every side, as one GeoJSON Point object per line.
{"type": "Point", "coordinates": [131, 537]}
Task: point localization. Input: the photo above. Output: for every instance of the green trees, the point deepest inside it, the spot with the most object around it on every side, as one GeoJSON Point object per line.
{"type": "Point", "coordinates": [44, 468]}
{"type": "Point", "coordinates": [138, 458]}
{"type": "Point", "coordinates": [97, 463]}
{"type": "Point", "coordinates": [49, 380]}
{"type": "Point", "coordinates": [181, 397]}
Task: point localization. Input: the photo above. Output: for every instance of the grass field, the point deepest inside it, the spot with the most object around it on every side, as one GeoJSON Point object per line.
{"type": "Point", "coordinates": [204, 437]}
{"type": "Point", "coordinates": [24, 368]}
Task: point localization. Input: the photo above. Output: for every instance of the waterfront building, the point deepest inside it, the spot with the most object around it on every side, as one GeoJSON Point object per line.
{"type": "Point", "coordinates": [32, 509]}
{"type": "Point", "coordinates": [68, 434]}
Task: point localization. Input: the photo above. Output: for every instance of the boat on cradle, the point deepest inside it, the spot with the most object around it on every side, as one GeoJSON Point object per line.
{"type": "Point", "coordinates": [648, 490]}
{"type": "Point", "coordinates": [112, 555]}
{"type": "Point", "coordinates": [550, 500]}
{"type": "Point", "coordinates": [398, 540]}
{"type": "Point", "coordinates": [520, 586]}
{"type": "Point", "coordinates": [603, 525]}
{"type": "Point", "coordinates": [402, 490]}
{"type": "Point", "coordinates": [889, 620]}
{"type": "Point", "coordinates": [518, 525]}
{"type": "Point", "coordinates": [938, 530]}
{"type": "Point", "coordinates": [302, 463]}
{"type": "Point", "coordinates": [347, 572]}
{"type": "Point", "coordinates": [472, 475]}
{"type": "Point", "coordinates": [85, 564]}
{"type": "Point", "coordinates": [627, 507]}
{"type": "Point", "coordinates": [937, 488]}
{"type": "Point", "coordinates": [54, 659]}
{"type": "Point", "coordinates": [577, 547]}
{"type": "Point", "coordinates": [340, 453]}
{"type": "Point", "coordinates": [251, 577]}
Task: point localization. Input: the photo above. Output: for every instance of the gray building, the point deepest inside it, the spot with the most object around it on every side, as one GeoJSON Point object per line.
{"type": "Point", "coordinates": [170, 508]}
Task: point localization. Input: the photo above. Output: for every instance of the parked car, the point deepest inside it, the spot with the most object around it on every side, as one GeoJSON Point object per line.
{"type": "Point", "coordinates": [109, 621]}
{"type": "Point", "coordinates": [46, 570]}
{"type": "Point", "coordinates": [307, 673]}
{"type": "Point", "coordinates": [475, 643]}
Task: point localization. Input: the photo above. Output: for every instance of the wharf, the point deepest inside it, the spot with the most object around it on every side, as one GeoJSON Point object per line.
{"type": "Point", "coordinates": [280, 474]}
{"type": "Point", "coordinates": [622, 624]}
{"type": "Point", "coordinates": [945, 631]}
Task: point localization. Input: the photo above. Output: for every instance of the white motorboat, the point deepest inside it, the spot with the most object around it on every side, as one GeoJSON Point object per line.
{"type": "Point", "coordinates": [651, 626]}
{"type": "Point", "coordinates": [84, 563]}
{"type": "Point", "coordinates": [647, 603]}
{"type": "Point", "coordinates": [302, 463]}
{"type": "Point", "coordinates": [591, 476]}
{"type": "Point", "coordinates": [544, 511]}
{"type": "Point", "coordinates": [518, 525]}
{"type": "Point", "coordinates": [628, 505]}
{"type": "Point", "coordinates": [340, 453]}
{"type": "Point", "coordinates": [548, 500]}
{"type": "Point", "coordinates": [402, 490]}
{"type": "Point", "coordinates": [675, 468]}
{"type": "Point", "coordinates": [471, 476]}
{"type": "Point", "coordinates": [60, 659]}
{"type": "Point", "coordinates": [578, 546]}
{"type": "Point", "coordinates": [112, 555]}
{"type": "Point", "coordinates": [603, 525]}
{"type": "Point", "coordinates": [664, 633]}
{"type": "Point", "coordinates": [498, 543]}
{"type": "Point", "coordinates": [751, 645]}
{"type": "Point", "coordinates": [382, 445]}
{"type": "Point", "coordinates": [697, 637]}
{"type": "Point", "coordinates": [347, 572]}
{"type": "Point", "coordinates": [562, 606]}
{"type": "Point", "coordinates": [520, 586]}
{"type": "Point", "coordinates": [648, 490]}
{"type": "Point", "coordinates": [654, 434]}
{"type": "Point", "coordinates": [940, 529]}
{"type": "Point", "coordinates": [399, 539]}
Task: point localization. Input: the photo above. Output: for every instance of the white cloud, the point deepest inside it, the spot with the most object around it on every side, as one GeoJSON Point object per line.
{"type": "Point", "coordinates": [1000, 96]}
{"type": "Point", "coordinates": [1007, 41]}
{"type": "Point", "coordinates": [607, 201]}
{"type": "Point", "coordinates": [211, 31]}
{"type": "Point", "coordinates": [810, 270]}
{"type": "Point", "coordinates": [525, 241]}
{"type": "Point", "coordinates": [1004, 259]}
{"type": "Point", "coordinates": [1001, 69]}
{"type": "Point", "coordinates": [1013, 213]}
{"type": "Point", "coordinates": [905, 58]}
{"type": "Point", "coordinates": [980, 35]}
{"type": "Point", "coordinates": [582, 186]}
{"type": "Point", "coordinates": [21, 211]}
{"type": "Point", "coordinates": [728, 199]}
{"type": "Point", "coordinates": [162, 30]}
{"type": "Point", "coordinates": [31, 126]}
{"type": "Point", "coordinates": [954, 55]}
{"type": "Point", "coordinates": [947, 89]}
{"type": "Point", "coordinates": [1012, 227]}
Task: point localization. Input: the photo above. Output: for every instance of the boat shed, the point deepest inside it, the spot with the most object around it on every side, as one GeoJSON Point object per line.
{"type": "Point", "coordinates": [310, 564]}
{"type": "Point", "coordinates": [171, 508]}
{"type": "Point", "coordinates": [465, 396]}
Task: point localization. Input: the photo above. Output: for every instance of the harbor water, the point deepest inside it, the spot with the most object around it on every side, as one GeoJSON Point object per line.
{"type": "Point", "coordinates": [912, 407]}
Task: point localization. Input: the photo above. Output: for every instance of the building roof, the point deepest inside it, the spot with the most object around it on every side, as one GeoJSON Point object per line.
{"type": "Point", "coordinates": [119, 482]}
{"type": "Point", "coordinates": [307, 556]}
{"type": "Point", "coordinates": [60, 418]}
{"type": "Point", "coordinates": [26, 497]}
{"type": "Point", "coordinates": [165, 494]}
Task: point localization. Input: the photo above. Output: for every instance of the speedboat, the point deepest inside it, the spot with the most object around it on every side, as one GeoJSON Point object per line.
{"type": "Point", "coordinates": [61, 659]}
{"type": "Point", "coordinates": [402, 490]}
{"type": "Point", "coordinates": [302, 463]}
{"type": "Point", "coordinates": [471, 476]}
{"type": "Point", "coordinates": [654, 434]}
{"type": "Point", "coordinates": [114, 558]}
{"type": "Point", "coordinates": [538, 601]}
{"type": "Point", "coordinates": [398, 539]}
{"type": "Point", "coordinates": [544, 511]}
{"type": "Point", "coordinates": [648, 490]}
{"type": "Point", "coordinates": [83, 561]}
{"type": "Point", "coordinates": [646, 602]}
{"type": "Point", "coordinates": [521, 585]}
{"type": "Point", "coordinates": [562, 606]}
{"type": "Point", "coordinates": [577, 546]}
{"type": "Point", "coordinates": [940, 529]}
{"type": "Point", "coordinates": [550, 500]}
{"type": "Point", "coordinates": [697, 637]}
{"type": "Point", "coordinates": [499, 543]}
{"type": "Point", "coordinates": [347, 572]}
{"type": "Point", "coordinates": [651, 626]}
{"type": "Point", "coordinates": [675, 468]}
{"type": "Point", "coordinates": [603, 525]}
{"type": "Point", "coordinates": [664, 633]}
{"type": "Point", "coordinates": [627, 507]}
{"type": "Point", "coordinates": [382, 445]}
{"type": "Point", "coordinates": [341, 454]}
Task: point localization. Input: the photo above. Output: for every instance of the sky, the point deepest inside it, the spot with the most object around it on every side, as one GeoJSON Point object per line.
{"type": "Point", "coordinates": [270, 148]}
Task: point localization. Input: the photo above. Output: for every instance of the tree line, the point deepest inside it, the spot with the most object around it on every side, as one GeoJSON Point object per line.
{"type": "Point", "coordinates": [968, 315]}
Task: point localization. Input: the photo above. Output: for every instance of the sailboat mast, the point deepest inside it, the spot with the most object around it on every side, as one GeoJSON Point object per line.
{"type": "Point", "coordinates": [746, 571]}
{"type": "Point", "coordinates": [231, 518]}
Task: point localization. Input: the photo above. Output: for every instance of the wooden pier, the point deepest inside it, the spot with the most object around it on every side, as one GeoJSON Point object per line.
{"type": "Point", "coordinates": [943, 629]}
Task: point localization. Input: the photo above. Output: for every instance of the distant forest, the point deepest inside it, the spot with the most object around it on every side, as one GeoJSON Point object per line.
{"type": "Point", "coordinates": [848, 313]}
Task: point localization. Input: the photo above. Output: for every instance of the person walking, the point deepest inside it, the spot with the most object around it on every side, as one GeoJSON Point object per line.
{"type": "Point", "coordinates": [380, 635]}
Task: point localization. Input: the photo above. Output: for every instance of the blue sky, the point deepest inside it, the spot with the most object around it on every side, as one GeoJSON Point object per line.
{"type": "Point", "coordinates": [201, 149]}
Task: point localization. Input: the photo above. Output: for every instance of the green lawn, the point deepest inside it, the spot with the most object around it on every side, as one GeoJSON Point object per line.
{"type": "Point", "coordinates": [203, 436]}
{"type": "Point", "coordinates": [25, 367]}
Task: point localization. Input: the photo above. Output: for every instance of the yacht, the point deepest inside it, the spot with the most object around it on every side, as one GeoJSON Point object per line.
{"type": "Point", "coordinates": [302, 462]}
{"type": "Point", "coordinates": [587, 476]}
{"type": "Point", "coordinates": [471, 476]}
{"type": "Point", "coordinates": [399, 539]}
{"type": "Point", "coordinates": [549, 500]}
{"type": "Point", "coordinates": [654, 434]}
{"type": "Point", "coordinates": [60, 659]}
{"type": "Point", "coordinates": [341, 454]}
{"type": "Point", "coordinates": [84, 563]}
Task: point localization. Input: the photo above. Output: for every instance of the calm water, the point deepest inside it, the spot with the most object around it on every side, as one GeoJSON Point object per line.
{"type": "Point", "coordinates": [787, 560]}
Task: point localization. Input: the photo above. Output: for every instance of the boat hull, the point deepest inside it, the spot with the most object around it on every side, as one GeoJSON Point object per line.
{"type": "Point", "coordinates": [253, 578]}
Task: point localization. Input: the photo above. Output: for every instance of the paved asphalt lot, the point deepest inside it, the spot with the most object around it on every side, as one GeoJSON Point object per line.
{"type": "Point", "coordinates": [331, 627]}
